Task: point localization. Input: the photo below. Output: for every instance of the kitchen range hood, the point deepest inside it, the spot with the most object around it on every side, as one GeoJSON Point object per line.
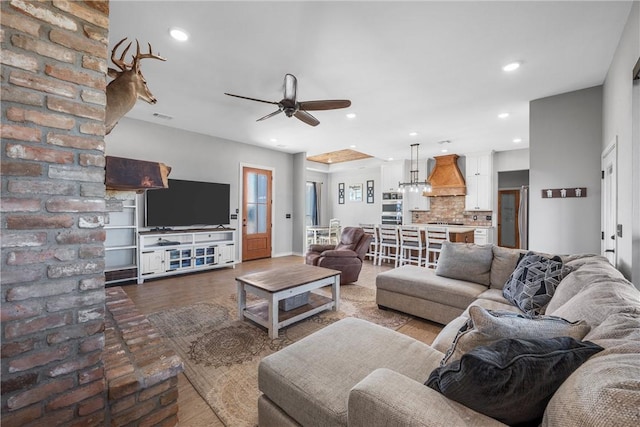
{"type": "Point", "coordinates": [446, 178]}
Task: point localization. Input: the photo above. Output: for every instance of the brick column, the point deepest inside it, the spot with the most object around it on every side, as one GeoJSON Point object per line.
{"type": "Point", "coordinates": [54, 64]}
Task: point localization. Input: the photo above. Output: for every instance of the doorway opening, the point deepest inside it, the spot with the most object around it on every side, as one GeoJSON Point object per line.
{"type": "Point", "coordinates": [513, 209]}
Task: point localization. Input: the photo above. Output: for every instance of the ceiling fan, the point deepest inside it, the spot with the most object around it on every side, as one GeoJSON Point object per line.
{"type": "Point", "coordinates": [291, 107]}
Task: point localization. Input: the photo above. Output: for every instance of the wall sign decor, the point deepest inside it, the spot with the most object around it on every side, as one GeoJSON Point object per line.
{"type": "Point", "coordinates": [355, 192]}
{"type": "Point", "coordinates": [370, 191]}
{"type": "Point", "coordinates": [341, 193]}
{"type": "Point", "coordinates": [554, 193]}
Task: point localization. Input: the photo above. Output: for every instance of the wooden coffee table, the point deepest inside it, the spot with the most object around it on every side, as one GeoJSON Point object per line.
{"type": "Point", "coordinates": [280, 284]}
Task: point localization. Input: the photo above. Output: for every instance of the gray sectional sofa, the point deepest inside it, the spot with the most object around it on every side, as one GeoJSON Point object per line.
{"type": "Point", "coordinates": [357, 373]}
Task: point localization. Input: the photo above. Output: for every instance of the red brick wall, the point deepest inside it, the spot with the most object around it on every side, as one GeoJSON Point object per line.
{"type": "Point", "coordinates": [451, 209]}
{"type": "Point", "coordinates": [54, 62]}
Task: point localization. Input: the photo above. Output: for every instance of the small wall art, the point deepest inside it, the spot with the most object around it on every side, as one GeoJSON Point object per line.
{"type": "Point", "coordinates": [563, 193]}
{"type": "Point", "coordinates": [370, 191]}
{"type": "Point", "coordinates": [341, 193]}
{"type": "Point", "coordinates": [355, 192]}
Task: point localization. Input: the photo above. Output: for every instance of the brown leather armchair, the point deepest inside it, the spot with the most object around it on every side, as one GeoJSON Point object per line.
{"type": "Point", "coordinates": [347, 256]}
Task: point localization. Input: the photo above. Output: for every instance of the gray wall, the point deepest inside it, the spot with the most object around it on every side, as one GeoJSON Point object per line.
{"type": "Point", "coordinates": [565, 146]}
{"type": "Point", "coordinates": [513, 179]}
{"type": "Point", "coordinates": [204, 158]}
{"type": "Point", "coordinates": [299, 203]}
{"type": "Point", "coordinates": [617, 121]}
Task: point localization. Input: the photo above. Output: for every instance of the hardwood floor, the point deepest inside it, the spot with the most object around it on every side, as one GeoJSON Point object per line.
{"type": "Point", "coordinates": [177, 291]}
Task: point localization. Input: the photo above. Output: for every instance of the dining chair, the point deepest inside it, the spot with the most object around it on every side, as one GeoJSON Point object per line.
{"type": "Point", "coordinates": [389, 244]}
{"type": "Point", "coordinates": [333, 235]}
{"type": "Point", "coordinates": [372, 230]}
{"type": "Point", "coordinates": [435, 236]}
{"type": "Point", "coordinates": [412, 246]}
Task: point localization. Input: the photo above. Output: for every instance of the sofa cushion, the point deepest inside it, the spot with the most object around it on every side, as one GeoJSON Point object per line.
{"type": "Point", "coordinates": [423, 283]}
{"type": "Point", "coordinates": [310, 379]}
{"type": "Point", "coordinates": [586, 271]}
{"type": "Point", "coordinates": [600, 299]}
{"type": "Point", "coordinates": [618, 333]}
{"type": "Point", "coordinates": [465, 261]}
{"type": "Point", "coordinates": [511, 380]}
{"type": "Point", "coordinates": [503, 264]}
{"type": "Point", "coordinates": [485, 327]}
{"type": "Point", "coordinates": [605, 391]}
{"type": "Point", "coordinates": [533, 282]}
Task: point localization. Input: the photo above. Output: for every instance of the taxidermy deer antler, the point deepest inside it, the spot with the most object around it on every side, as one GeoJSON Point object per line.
{"type": "Point", "coordinates": [127, 85]}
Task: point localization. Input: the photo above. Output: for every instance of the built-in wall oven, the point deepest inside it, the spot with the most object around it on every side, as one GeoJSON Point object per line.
{"type": "Point", "coordinates": [391, 208]}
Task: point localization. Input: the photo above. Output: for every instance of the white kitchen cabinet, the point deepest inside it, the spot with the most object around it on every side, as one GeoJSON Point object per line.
{"type": "Point", "coordinates": [478, 177]}
{"type": "Point", "coordinates": [392, 173]}
{"type": "Point", "coordinates": [415, 201]}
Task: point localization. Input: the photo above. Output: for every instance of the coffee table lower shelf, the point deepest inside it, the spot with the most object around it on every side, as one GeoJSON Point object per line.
{"type": "Point", "coordinates": [259, 313]}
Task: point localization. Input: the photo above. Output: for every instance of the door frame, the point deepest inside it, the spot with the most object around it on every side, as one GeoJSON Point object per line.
{"type": "Point", "coordinates": [243, 165]}
{"type": "Point", "coordinates": [516, 191]}
{"type": "Point", "coordinates": [611, 152]}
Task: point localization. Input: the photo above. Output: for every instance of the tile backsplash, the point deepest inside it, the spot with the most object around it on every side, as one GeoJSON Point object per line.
{"type": "Point", "coordinates": [451, 209]}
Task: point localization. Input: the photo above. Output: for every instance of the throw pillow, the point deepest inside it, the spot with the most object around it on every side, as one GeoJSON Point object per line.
{"type": "Point", "coordinates": [465, 261]}
{"type": "Point", "coordinates": [485, 327]}
{"type": "Point", "coordinates": [511, 380]}
{"type": "Point", "coordinates": [533, 282]}
{"type": "Point", "coordinates": [503, 264]}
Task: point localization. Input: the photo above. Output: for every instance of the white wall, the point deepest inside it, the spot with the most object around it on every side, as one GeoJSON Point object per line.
{"type": "Point", "coordinates": [565, 147]}
{"type": "Point", "coordinates": [512, 160]}
{"type": "Point", "coordinates": [355, 213]}
{"type": "Point", "coordinates": [200, 157]}
{"type": "Point", "coordinates": [617, 120]}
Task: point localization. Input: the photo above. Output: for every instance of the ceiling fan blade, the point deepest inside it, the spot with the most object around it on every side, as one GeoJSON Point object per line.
{"type": "Point", "coordinates": [307, 118]}
{"type": "Point", "coordinates": [269, 115]}
{"type": "Point", "coordinates": [290, 87]}
{"type": "Point", "coordinates": [328, 104]}
{"type": "Point", "coordinates": [251, 99]}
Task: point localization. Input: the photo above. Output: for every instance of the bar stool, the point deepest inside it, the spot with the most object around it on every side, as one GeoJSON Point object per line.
{"type": "Point", "coordinates": [435, 237]}
{"type": "Point", "coordinates": [412, 246]}
{"type": "Point", "coordinates": [389, 245]}
{"type": "Point", "coordinates": [371, 230]}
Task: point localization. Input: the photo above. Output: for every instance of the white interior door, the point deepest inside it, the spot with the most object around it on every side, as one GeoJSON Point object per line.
{"type": "Point", "coordinates": [609, 202]}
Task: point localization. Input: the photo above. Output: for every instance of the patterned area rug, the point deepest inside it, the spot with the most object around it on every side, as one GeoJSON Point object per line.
{"type": "Point", "coordinates": [221, 354]}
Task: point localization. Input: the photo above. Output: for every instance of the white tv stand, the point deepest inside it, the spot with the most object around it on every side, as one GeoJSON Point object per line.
{"type": "Point", "coordinates": [165, 253]}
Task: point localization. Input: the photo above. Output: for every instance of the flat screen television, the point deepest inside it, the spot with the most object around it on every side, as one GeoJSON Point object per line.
{"type": "Point", "coordinates": [187, 203]}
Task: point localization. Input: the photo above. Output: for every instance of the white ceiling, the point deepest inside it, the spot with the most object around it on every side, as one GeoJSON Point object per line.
{"type": "Point", "coordinates": [430, 67]}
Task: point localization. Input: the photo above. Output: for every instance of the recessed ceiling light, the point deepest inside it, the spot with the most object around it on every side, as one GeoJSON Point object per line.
{"type": "Point", "coordinates": [351, 115]}
{"type": "Point", "coordinates": [273, 140]}
{"type": "Point", "coordinates": [179, 34]}
{"type": "Point", "coordinates": [503, 115]}
{"type": "Point", "coordinates": [352, 146]}
{"type": "Point", "coordinates": [517, 140]}
{"type": "Point", "coordinates": [390, 158]}
{"type": "Point", "coordinates": [413, 133]}
{"type": "Point", "coordinates": [511, 67]}
{"type": "Point", "coordinates": [444, 150]}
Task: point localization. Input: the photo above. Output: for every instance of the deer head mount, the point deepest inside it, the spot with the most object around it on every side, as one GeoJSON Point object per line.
{"type": "Point", "coordinates": [127, 85]}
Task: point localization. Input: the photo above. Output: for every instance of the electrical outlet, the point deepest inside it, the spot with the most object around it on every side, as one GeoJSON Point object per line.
{"type": "Point", "coordinates": [287, 216]}
{"type": "Point", "coordinates": [488, 217]}
{"type": "Point", "coordinates": [234, 216]}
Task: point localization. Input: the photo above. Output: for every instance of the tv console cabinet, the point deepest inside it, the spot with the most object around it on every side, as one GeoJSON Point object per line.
{"type": "Point", "coordinates": [165, 253]}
